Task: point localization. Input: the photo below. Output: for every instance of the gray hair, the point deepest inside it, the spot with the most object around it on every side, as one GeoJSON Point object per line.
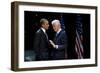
{"type": "Point", "coordinates": [55, 21]}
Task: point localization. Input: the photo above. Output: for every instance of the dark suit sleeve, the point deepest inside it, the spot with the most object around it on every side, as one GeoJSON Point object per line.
{"type": "Point", "coordinates": [63, 42]}
{"type": "Point", "coordinates": [37, 42]}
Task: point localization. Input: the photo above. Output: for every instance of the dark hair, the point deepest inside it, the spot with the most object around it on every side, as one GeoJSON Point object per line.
{"type": "Point", "coordinates": [42, 21]}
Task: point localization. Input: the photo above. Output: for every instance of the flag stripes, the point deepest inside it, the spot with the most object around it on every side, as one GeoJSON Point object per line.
{"type": "Point", "coordinates": [79, 46]}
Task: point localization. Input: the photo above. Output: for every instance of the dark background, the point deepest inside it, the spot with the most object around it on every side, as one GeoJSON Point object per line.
{"type": "Point", "coordinates": [32, 20]}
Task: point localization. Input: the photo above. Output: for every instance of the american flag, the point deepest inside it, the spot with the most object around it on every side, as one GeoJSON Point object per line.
{"type": "Point", "coordinates": [79, 37]}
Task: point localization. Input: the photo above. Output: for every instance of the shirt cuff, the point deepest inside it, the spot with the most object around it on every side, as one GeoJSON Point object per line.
{"type": "Point", "coordinates": [56, 46]}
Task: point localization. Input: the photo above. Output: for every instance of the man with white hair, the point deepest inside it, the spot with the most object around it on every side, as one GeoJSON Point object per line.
{"type": "Point", "coordinates": [59, 43]}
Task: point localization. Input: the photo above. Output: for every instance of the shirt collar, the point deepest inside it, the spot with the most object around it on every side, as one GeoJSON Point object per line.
{"type": "Point", "coordinates": [43, 30]}
{"type": "Point", "coordinates": [58, 31]}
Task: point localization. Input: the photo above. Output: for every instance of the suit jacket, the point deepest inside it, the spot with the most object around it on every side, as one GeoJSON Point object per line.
{"type": "Point", "coordinates": [41, 44]}
{"type": "Point", "coordinates": [61, 51]}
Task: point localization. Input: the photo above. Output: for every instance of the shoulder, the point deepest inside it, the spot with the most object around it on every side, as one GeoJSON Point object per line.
{"type": "Point", "coordinates": [38, 31]}
{"type": "Point", "coordinates": [63, 32]}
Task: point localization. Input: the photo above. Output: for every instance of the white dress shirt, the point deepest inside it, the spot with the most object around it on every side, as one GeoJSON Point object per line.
{"type": "Point", "coordinates": [44, 32]}
{"type": "Point", "coordinates": [58, 31]}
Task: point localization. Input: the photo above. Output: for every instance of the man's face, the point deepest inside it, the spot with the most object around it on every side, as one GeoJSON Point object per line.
{"type": "Point", "coordinates": [46, 25]}
{"type": "Point", "coordinates": [56, 27]}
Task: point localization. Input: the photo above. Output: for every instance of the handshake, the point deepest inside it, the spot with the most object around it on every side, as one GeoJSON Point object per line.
{"type": "Point", "coordinates": [52, 43]}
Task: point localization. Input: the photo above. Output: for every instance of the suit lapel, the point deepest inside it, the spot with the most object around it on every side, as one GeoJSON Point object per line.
{"type": "Point", "coordinates": [58, 34]}
{"type": "Point", "coordinates": [57, 37]}
{"type": "Point", "coordinates": [44, 35]}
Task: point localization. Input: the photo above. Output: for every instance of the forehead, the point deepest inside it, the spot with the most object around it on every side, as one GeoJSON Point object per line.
{"type": "Point", "coordinates": [55, 25]}
{"type": "Point", "coordinates": [46, 21]}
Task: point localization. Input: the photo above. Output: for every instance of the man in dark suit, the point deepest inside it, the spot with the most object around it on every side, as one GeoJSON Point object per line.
{"type": "Point", "coordinates": [59, 43]}
{"type": "Point", "coordinates": [41, 41]}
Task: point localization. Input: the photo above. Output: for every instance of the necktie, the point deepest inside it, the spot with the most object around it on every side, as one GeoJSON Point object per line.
{"type": "Point", "coordinates": [56, 34]}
